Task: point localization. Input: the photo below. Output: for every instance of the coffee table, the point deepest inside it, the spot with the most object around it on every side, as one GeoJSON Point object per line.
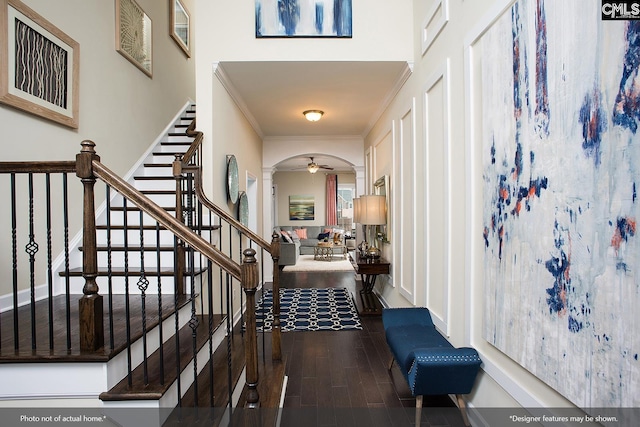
{"type": "Point", "coordinates": [327, 252]}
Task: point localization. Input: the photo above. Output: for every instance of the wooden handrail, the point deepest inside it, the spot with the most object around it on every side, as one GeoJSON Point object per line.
{"type": "Point", "coordinates": [163, 217]}
{"type": "Point", "coordinates": [197, 142]}
{"type": "Point", "coordinates": [182, 165]}
{"type": "Point", "coordinates": [38, 167]}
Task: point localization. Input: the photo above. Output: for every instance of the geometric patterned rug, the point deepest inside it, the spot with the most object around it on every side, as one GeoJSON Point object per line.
{"type": "Point", "coordinates": [309, 309]}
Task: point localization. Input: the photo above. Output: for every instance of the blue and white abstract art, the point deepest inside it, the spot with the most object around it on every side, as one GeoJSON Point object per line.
{"type": "Point", "coordinates": [561, 169]}
{"type": "Point", "coordinates": [303, 18]}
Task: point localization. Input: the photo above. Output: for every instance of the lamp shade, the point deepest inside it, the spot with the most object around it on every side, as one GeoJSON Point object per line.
{"type": "Point", "coordinates": [356, 210]}
{"type": "Point", "coordinates": [373, 210]}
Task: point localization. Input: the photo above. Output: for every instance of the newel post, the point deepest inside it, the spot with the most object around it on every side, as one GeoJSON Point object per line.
{"type": "Point", "coordinates": [250, 285]}
{"type": "Point", "coordinates": [276, 338]}
{"type": "Point", "coordinates": [180, 262]}
{"type": "Point", "coordinates": [90, 305]}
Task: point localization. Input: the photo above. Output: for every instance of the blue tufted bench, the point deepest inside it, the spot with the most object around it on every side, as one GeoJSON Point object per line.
{"type": "Point", "coordinates": [429, 363]}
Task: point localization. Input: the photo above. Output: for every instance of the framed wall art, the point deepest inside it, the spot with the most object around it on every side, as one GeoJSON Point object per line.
{"type": "Point", "coordinates": [39, 65]}
{"type": "Point", "coordinates": [303, 18]}
{"type": "Point", "coordinates": [134, 35]}
{"type": "Point", "coordinates": [301, 208]}
{"type": "Point", "coordinates": [180, 26]}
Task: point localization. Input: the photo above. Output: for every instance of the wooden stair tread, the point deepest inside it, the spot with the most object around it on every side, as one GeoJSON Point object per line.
{"type": "Point", "coordinates": [133, 248]}
{"type": "Point", "coordinates": [158, 165]}
{"type": "Point", "coordinates": [133, 271]}
{"type": "Point", "coordinates": [134, 208]}
{"type": "Point", "coordinates": [59, 352]}
{"type": "Point", "coordinates": [153, 227]}
{"type": "Point", "coordinates": [154, 389]}
{"type": "Point", "coordinates": [159, 192]}
{"type": "Point", "coordinates": [167, 153]}
{"type": "Point", "coordinates": [174, 143]}
{"type": "Point", "coordinates": [154, 178]}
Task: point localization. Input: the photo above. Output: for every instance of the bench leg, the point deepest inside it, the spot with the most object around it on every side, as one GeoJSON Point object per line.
{"type": "Point", "coordinates": [418, 409]}
{"type": "Point", "coordinates": [463, 410]}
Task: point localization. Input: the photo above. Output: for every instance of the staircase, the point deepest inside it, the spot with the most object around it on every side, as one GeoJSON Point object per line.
{"type": "Point", "coordinates": [172, 336]}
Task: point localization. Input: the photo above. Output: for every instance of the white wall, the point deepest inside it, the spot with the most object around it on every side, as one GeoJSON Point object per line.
{"type": "Point", "coordinates": [304, 183]}
{"type": "Point", "coordinates": [425, 142]}
{"type": "Point", "coordinates": [381, 32]}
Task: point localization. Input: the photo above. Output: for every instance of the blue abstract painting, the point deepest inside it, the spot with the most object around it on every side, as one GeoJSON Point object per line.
{"type": "Point", "coordinates": [303, 18]}
{"type": "Point", "coordinates": [561, 166]}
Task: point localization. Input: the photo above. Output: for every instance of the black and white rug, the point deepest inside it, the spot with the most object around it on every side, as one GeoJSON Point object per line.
{"type": "Point", "coordinates": [310, 309]}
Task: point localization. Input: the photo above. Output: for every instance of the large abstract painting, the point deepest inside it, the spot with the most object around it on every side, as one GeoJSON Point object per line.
{"type": "Point", "coordinates": [561, 170]}
{"type": "Point", "coordinates": [303, 18]}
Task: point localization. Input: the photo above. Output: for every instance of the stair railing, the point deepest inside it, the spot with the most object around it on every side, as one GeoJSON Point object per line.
{"type": "Point", "coordinates": [90, 168]}
{"type": "Point", "coordinates": [187, 170]}
{"type": "Point", "coordinates": [31, 187]}
{"type": "Point", "coordinates": [85, 339]}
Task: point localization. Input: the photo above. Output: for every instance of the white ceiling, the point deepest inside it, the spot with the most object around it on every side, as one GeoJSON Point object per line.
{"type": "Point", "coordinates": [352, 95]}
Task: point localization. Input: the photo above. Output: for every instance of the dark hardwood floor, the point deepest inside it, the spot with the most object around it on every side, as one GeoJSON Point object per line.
{"type": "Point", "coordinates": [341, 378]}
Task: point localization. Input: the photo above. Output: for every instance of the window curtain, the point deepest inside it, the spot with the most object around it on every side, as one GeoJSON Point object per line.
{"type": "Point", "coordinates": [332, 199]}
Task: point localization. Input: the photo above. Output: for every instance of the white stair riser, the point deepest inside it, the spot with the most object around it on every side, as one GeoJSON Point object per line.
{"type": "Point", "coordinates": [117, 367]}
{"type": "Point", "coordinates": [149, 237]}
{"type": "Point", "coordinates": [142, 184]}
{"type": "Point", "coordinates": [164, 148]}
{"type": "Point", "coordinates": [178, 138]}
{"type": "Point", "coordinates": [166, 171]}
{"type": "Point", "coordinates": [119, 287]}
{"type": "Point", "coordinates": [170, 398]}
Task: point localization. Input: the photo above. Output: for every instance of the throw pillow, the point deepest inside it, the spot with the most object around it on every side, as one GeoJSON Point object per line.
{"type": "Point", "coordinates": [301, 232]}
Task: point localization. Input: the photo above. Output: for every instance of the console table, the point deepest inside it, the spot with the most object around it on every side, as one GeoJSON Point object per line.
{"type": "Point", "coordinates": [369, 269]}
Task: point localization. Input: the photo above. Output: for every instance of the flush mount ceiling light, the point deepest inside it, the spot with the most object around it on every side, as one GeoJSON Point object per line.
{"type": "Point", "coordinates": [313, 115]}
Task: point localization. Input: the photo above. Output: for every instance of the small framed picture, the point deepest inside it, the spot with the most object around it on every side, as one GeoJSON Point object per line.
{"type": "Point", "coordinates": [39, 65]}
{"type": "Point", "coordinates": [134, 35]}
{"type": "Point", "coordinates": [180, 26]}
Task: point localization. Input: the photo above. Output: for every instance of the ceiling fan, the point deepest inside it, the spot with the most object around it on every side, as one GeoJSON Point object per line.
{"type": "Point", "coordinates": [313, 167]}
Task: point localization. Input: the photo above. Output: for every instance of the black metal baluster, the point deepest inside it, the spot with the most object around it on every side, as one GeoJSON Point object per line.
{"type": "Point", "coordinates": [49, 259]}
{"type": "Point", "coordinates": [177, 321]}
{"type": "Point", "coordinates": [67, 277]}
{"type": "Point", "coordinates": [161, 339]}
{"type": "Point", "coordinates": [229, 339]}
{"type": "Point", "coordinates": [143, 284]}
{"type": "Point", "coordinates": [126, 290]}
{"type": "Point", "coordinates": [14, 255]}
{"type": "Point", "coordinates": [193, 322]}
{"type": "Point", "coordinates": [110, 268]}
{"type": "Point", "coordinates": [210, 301]}
{"type": "Point", "coordinates": [32, 249]}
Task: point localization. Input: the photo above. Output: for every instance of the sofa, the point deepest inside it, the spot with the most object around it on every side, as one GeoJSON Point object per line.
{"type": "Point", "coordinates": [429, 363]}
{"type": "Point", "coordinates": [295, 243]}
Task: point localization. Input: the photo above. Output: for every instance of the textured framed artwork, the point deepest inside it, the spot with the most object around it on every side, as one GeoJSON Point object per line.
{"type": "Point", "coordinates": [561, 150]}
{"type": "Point", "coordinates": [134, 35]}
{"type": "Point", "coordinates": [39, 65]}
{"type": "Point", "coordinates": [301, 208]}
{"type": "Point", "coordinates": [180, 26]}
{"type": "Point", "coordinates": [303, 18]}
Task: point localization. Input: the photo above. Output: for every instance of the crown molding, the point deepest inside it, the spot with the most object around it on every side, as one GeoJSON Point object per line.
{"type": "Point", "coordinates": [235, 95]}
{"type": "Point", "coordinates": [403, 76]}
